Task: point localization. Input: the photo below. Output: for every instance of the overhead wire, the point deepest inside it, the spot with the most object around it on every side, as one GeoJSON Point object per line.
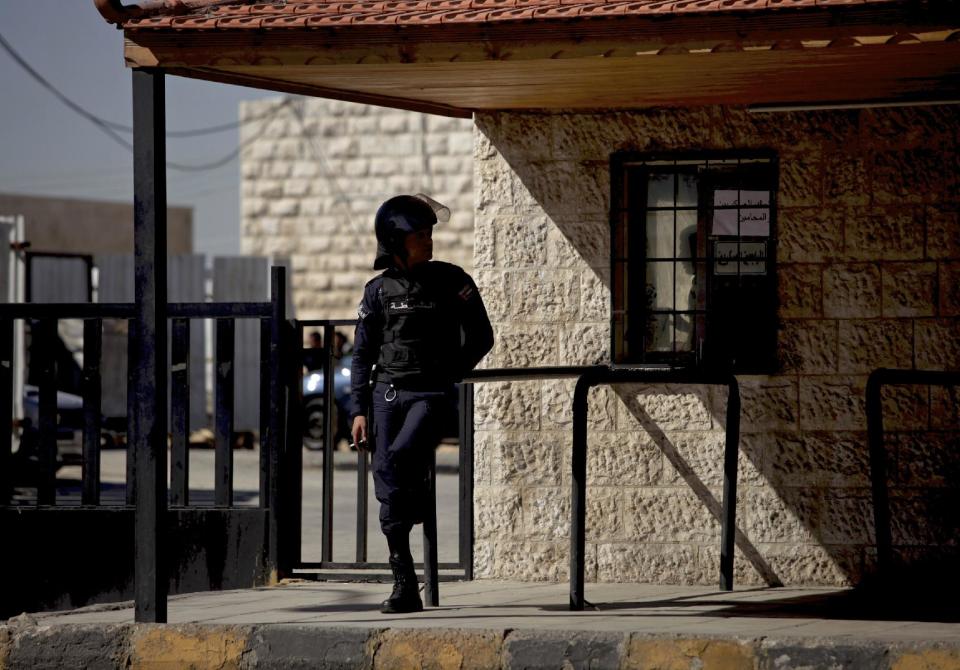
{"type": "Point", "coordinates": [112, 129]}
{"type": "Point", "coordinates": [329, 174]}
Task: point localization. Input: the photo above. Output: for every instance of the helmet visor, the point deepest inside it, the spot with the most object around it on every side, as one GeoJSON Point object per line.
{"type": "Point", "coordinates": [441, 211]}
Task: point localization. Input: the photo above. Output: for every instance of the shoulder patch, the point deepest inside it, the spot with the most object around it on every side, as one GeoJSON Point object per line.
{"type": "Point", "coordinates": [466, 292]}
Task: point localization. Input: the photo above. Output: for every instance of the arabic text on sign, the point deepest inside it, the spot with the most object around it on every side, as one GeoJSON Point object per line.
{"type": "Point", "coordinates": [740, 198]}
{"type": "Point", "coordinates": [746, 258]}
{"type": "Point", "coordinates": [746, 222]}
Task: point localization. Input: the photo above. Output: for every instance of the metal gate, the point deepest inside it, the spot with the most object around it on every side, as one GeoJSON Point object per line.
{"type": "Point", "coordinates": [203, 544]}
{"type": "Point", "coordinates": [316, 405]}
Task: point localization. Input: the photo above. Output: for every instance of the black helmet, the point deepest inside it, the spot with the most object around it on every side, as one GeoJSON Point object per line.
{"type": "Point", "coordinates": [400, 215]}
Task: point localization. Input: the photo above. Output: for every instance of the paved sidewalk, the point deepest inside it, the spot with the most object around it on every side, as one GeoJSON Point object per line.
{"type": "Point", "coordinates": [504, 625]}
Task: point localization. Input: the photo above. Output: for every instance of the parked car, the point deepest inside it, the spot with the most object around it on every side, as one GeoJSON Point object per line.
{"type": "Point", "coordinates": [69, 431]}
{"type": "Point", "coordinates": [314, 408]}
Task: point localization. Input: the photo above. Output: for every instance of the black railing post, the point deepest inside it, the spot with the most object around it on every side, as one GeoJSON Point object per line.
{"type": "Point", "coordinates": [578, 493]}
{"type": "Point", "coordinates": [466, 479]}
{"type": "Point", "coordinates": [326, 542]}
{"type": "Point", "coordinates": [730, 454]}
{"type": "Point", "coordinates": [46, 342]}
{"type": "Point", "coordinates": [131, 484]}
{"type": "Point", "coordinates": [92, 354]}
{"type": "Point", "coordinates": [265, 409]}
{"type": "Point", "coordinates": [292, 471]}
{"type": "Point", "coordinates": [180, 413]}
{"type": "Point", "coordinates": [223, 434]}
{"type": "Point", "coordinates": [275, 439]}
{"type": "Point", "coordinates": [431, 578]}
{"type": "Point", "coordinates": [878, 472]}
{"type": "Point", "coordinates": [363, 469]}
{"type": "Point", "coordinates": [149, 372]}
{"type": "Point", "coordinates": [6, 409]}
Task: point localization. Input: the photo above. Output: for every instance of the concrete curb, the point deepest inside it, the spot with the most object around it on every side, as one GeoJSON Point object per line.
{"type": "Point", "coordinates": [28, 644]}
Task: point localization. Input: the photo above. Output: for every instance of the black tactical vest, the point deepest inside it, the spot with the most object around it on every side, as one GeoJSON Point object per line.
{"type": "Point", "coordinates": [421, 332]}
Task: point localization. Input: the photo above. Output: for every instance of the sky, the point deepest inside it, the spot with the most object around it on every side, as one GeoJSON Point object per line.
{"type": "Point", "coordinates": [47, 149]}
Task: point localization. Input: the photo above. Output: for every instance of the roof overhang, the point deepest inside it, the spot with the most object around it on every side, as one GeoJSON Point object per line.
{"type": "Point", "coordinates": [863, 52]}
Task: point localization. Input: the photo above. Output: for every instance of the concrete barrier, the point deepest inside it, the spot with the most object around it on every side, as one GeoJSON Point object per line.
{"type": "Point", "coordinates": [27, 643]}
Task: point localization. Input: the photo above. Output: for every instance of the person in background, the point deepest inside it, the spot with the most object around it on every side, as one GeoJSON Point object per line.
{"type": "Point", "coordinates": [422, 327]}
{"type": "Point", "coordinates": [314, 352]}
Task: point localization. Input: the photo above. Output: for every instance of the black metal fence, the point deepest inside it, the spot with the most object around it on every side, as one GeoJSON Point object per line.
{"type": "Point", "coordinates": [587, 377]}
{"type": "Point", "coordinates": [267, 520]}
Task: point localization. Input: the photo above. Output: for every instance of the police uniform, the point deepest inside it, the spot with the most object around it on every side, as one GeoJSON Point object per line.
{"type": "Point", "coordinates": [421, 328]}
{"type": "Point", "coordinates": [424, 329]}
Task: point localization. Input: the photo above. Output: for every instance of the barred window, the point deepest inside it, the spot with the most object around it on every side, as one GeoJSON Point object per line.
{"type": "Point", "coordinates": [693, 257]}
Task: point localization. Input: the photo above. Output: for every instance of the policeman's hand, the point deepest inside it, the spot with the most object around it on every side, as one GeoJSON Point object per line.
{"type": "Point", "coordinates": [359, 432]}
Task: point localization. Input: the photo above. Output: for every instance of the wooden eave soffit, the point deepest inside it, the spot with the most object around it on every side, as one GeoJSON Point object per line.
{"type": "Point", "coordinates": [455, 70]}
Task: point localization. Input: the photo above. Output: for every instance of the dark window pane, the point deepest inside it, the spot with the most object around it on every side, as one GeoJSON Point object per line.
{"type": "Point", "coordinates": [685, 334]}
{"type": "Point", "coordinates": [660, 332]}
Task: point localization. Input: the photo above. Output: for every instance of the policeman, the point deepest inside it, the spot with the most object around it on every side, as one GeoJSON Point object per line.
{"type": "Point", "coordinates": [422, 326]}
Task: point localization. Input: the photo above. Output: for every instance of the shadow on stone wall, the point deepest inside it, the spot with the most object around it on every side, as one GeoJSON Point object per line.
{"type": "Point", "coordinates": [805, 508]}
{"type": "Point", "coordinates": [707, 497]}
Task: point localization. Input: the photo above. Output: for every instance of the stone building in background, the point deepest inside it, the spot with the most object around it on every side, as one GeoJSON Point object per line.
{"type": "Point", "coordinates": [314, 172]}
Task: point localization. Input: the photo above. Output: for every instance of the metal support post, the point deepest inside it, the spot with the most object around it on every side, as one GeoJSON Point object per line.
{"type": "Point", "coordinates": [466, 479]}
{"type": "Point", "coordinates": [180, 413]}
{"type": "Point", "coordinates": [363, 469]}
{"type": "Point", "coordinates": [431, 587]}
{"type": "Point", "coordinates": [275, 439]}
{"type": "Point", "coordinates": [45, 340]}
{"type": "Point", "coordinates": [730, 455]}
{"type": "Point", "coordinates": [6, 408]}
{"type": "Point", "coordinates": [92, 351]}
{"type": "Point", "coordinates": [326, 540]}
{"type": "Point", "coordinates": [148, 423]}
{"type": "Point", "coordinates": [223, 417]}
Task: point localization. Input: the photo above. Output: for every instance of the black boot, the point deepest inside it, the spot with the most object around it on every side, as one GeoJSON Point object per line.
{"type": "Point", "coordinates": [406, 591]}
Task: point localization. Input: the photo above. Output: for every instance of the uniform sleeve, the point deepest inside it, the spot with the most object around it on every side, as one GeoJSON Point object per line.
{"type": "Point", "coordinates": [366, 349]}
{"type": "Point", "coordinates": [476, 331]}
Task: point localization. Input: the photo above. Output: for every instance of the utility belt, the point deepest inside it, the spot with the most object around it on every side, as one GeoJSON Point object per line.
{"type": "Point", "coordinates": [416, 384]}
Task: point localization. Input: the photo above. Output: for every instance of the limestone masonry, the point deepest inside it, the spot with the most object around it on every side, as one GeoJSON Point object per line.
{"type": "Point", "coordinates": [314, 172]}
{"type": "Point", "coordinates": [868, 270]}
{"type": "Point", "coordinates": [868, 259]}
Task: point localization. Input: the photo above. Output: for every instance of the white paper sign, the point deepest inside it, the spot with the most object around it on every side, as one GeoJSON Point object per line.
{"type": "Point", "coordinates": [725, 222]}
{"type": "Point", "coordinates": [747, 258]}
{"type": "Point", "coordinates": [755, 222]}
{"type": "Point", "coordinates": [754, 198]}
{"type": "Point", "coordinates": [745, 222]}
{"type": "Point", "coordinates": [726, 198]}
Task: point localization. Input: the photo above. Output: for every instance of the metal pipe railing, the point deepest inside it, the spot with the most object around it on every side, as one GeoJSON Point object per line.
{"type": "Point", "coordinates": [878, 456]}
{"type": "Point", "coordinates": [605, 375]}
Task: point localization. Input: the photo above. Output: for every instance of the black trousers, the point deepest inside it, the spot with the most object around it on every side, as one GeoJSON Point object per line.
{"type": "Point", "coordinates": [407, 426]}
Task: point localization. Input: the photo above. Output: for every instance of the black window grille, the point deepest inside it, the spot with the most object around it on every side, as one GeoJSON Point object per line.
{"type": "Point", "coordinates": [693, 260]}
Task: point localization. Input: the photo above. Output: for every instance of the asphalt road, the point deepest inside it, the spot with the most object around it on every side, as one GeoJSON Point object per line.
{"type": "Point", "coordinates": [246, 492]}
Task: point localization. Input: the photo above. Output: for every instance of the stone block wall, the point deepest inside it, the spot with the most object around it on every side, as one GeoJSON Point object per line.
{"type": "Point", "coordinates": [868, 275]}
{"type": "Point", "coordinates": [314, 172]}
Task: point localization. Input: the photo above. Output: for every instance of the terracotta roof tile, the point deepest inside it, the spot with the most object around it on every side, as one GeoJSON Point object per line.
{"type": "Point", "coordinates": [233, 15]}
